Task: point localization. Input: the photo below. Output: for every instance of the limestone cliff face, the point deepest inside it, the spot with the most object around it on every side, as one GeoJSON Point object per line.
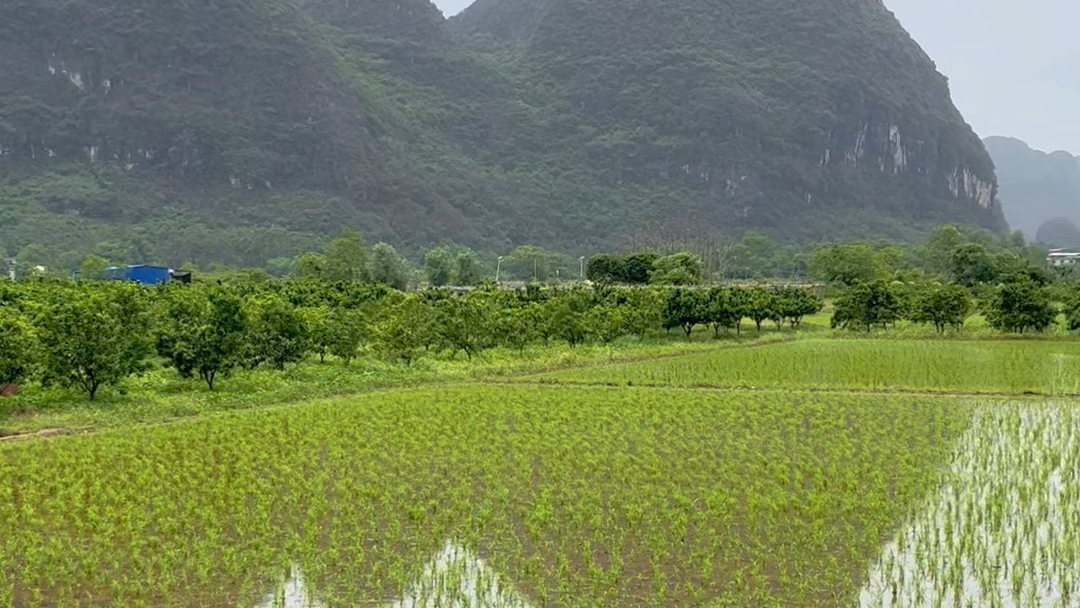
{"type": "Point", "coordinates": [771, 109]}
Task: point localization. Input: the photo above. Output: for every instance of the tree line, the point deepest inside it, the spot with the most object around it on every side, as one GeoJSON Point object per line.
{"type": "Point", "coordinates": [954, 253]}
{"type": "Point", "coordinates": [87, 335]}
{"type": "Point", "coordinates": [1020, 304]}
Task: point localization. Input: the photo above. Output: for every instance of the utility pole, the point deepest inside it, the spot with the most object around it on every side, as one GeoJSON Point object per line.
{"type": "Point", "coordinates": [498, 268]}
{"type": "Point", "coordinates": [581, 260]}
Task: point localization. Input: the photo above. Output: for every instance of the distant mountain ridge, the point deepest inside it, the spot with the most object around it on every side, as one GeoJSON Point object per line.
{"type": "Point", "coordinates": [243, 130]}
{"type": "Point", "coordinates": [1035, 186]}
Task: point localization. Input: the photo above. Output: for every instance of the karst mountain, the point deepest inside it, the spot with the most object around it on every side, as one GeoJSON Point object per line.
{"type": "Point", "coordinates": [244, 130]}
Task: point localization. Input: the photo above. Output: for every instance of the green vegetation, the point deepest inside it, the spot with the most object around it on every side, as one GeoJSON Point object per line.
{"type": "Point", "coordinates": [978, 366]}
{"type": "Point", "coordinates": [1008, 499]}
{"type": "Point", "coordinates": [253, 130]}
{"type": "Point", "coordinates": [546, 444]}
{"type": "Point", "coordinates": [95, 337]}
{"type": "Point", "coordinates": [17, 345]}
{"type": "Point", "coordinates": [578, 469]}
{"type": "Point", "coordinates": [162, 395]}
{"type": "Point", "coordinates": [580, 496]}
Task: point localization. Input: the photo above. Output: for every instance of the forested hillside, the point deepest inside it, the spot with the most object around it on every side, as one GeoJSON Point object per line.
{"type": "Point", "coordinates": [239, 131]}
{"type": "Point", "coordinates": [809, 119]}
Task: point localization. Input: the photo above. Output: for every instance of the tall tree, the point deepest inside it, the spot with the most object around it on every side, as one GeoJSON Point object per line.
{"type": "Point", "coordinates": [93, 267]}
{"type": "Point", "coordinates": [793, 304]}
{"type": "Point", "coordinates": [865, 305]}
{"type": "Point", "coordinates": [685, 308]}
{"type": "Point", "coordinates": [971, 264]}
{"type": "Point", "coordinates": [761, 306]}
{"type": "Point", "coordinates": [311, 265]}
{"type": "Point", "coordinates": [1021, 305]}
{"type": "Point", "coordinates": [722, 309]}
{"type": "Point", "coordinates": [387, 267]}
{"type": "Point", "coordinates": [276, 332]}
{"type": "Point", "coordinates": [346, 257]}
{"type": "Point", "coordinates": [531, 263]}
{"type": "Point", "coordinates": [348, 329]}
{"type": "Point", "coordinates": [466, 267]}
{"type": "Point", "coordinates": [95, 338]}
{"type": "Point", "coordinates": [681, 268]}
{"type": "Point", "coordinates": [461, 324]}
{"type": "Point", "coordinates": [405, 321]}
{"type": "Point", "coordinates": [944, 306]}
{"type": "Point", "coordinates": [845, 263]}
{"type": "Point", "coordinates": [439, 266]}
{"type": "Point", "coordinates": [203, 332]}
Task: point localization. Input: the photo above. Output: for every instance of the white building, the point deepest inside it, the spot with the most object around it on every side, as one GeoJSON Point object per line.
{"type": "Point", "coordinates": [1062, 257]}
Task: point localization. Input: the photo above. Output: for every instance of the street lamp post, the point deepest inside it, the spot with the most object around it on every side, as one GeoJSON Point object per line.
{"type": "Point", "coordinates": [581, 260]}
{"type": "Point", "coordinates": [498, 268]}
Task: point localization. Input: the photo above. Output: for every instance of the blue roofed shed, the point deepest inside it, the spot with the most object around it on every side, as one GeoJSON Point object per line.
{"type": "Point", "coordinates": [149, 275]}
{"type": "Point", "coordinates": [141, 273]}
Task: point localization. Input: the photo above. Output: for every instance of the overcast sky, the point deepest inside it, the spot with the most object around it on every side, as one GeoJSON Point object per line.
{"type": "Point", "coordinates": [1013, 65]}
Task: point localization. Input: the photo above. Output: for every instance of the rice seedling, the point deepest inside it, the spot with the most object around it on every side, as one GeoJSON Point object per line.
{"type": "Point", "coordinates": [563, 496]}
{"type": "Point", "coordinates": [988, 366]}
{"type": "Point", "coordinates": [1003, 528]}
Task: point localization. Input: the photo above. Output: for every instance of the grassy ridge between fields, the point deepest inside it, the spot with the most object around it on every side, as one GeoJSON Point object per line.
{"type": "Point", "coordinates": [160, 395]}
{"type": "Point", "coordinates": [579, 496]}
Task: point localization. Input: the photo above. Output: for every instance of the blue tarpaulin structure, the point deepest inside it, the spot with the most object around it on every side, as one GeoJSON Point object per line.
{"type": "Point", "coordinates": [141, 273]}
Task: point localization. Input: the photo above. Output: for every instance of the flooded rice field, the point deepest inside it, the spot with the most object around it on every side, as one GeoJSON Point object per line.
{"type": "Point", "coordinates": [1003, 531]}
{"type": "Point", "coordinates": [454, 578]}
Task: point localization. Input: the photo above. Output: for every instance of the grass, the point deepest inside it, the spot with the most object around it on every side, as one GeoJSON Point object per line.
{"type": "Point", "coordinates": [991, 366]}
{"type": "Point", "coordinates": [581, 496]}
{"type": "Point", "coordinates": [160, 395]}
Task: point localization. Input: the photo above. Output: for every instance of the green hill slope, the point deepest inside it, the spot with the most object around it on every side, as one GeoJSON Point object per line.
{"type": "Point", "coordinates": [227, 92]}
{"type": "Point", "coordinates": [807, 119]}
{"type": "Point", "coordinates": [243, 130]}
{"type": "Point", "coordinates": [234, 131]}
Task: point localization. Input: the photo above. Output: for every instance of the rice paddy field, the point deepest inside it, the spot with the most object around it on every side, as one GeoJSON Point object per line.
{"type": "Point", "coordinates": [764, 476]}
{"type": "Point", "coordinates": [978, 366]}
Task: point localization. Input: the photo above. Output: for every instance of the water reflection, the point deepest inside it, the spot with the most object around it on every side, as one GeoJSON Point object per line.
{"type": "Point", "coordinates": [457, 578]}
{"type": "Point", "coordinates": [453, 578]}
{"type": "Point", "coordinates": [291, 592]}
{"type": "Point", "coordinates": [1002, 531]}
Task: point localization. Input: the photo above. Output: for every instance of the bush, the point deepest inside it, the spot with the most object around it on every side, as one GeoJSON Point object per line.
{"type": "Point", "coordinates": [18, 346]}
{"type": "Point", "coordinates": [866, 305]}
{"type": "Point", "coordinates": [1021, 305]}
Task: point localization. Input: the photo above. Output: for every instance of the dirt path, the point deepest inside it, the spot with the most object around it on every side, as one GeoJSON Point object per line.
{"type": "Point", "coordinates": [790, 389]}
{"type": "Point", "coordinates": [43, 433]}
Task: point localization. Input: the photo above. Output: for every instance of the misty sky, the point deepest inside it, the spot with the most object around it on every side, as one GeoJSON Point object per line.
{"type": "Point", "coordinates": [1013, 65]}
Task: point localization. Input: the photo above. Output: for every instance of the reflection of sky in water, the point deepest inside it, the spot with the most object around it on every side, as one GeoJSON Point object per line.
{"type": "Point", "coordinates": [1002, 530]}
{"type": "Point", "coordinates": [454, 578]}
{"type": "Point", "coordinates": [291, 593]}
